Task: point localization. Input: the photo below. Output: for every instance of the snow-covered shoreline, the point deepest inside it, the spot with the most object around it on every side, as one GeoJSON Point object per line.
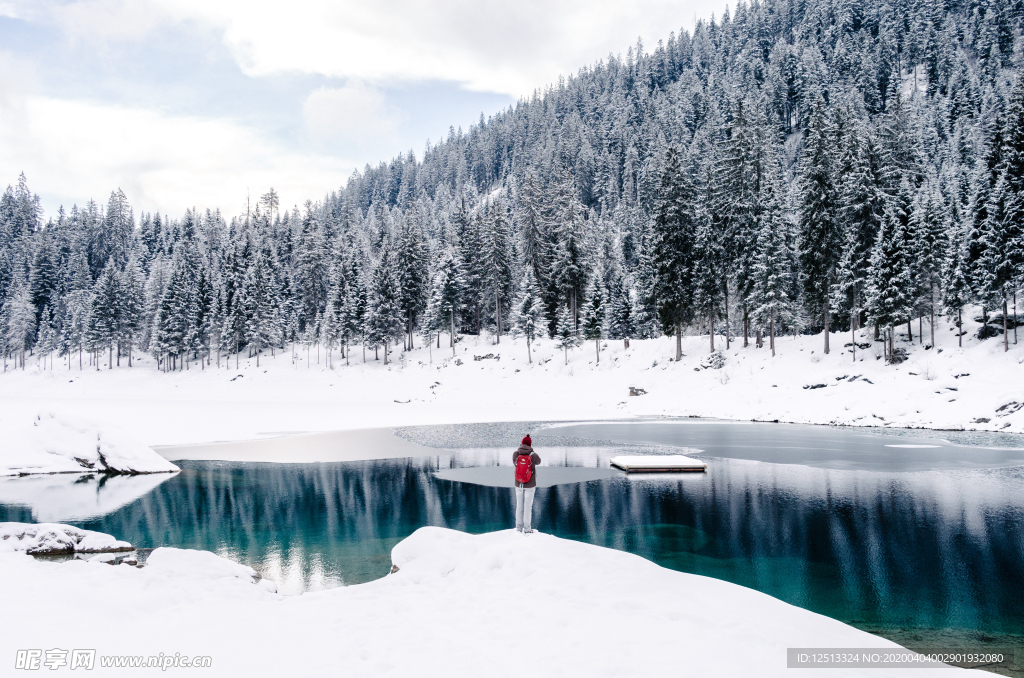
{"type": "Point", "coordinates": [453, 600]}
{"type": "Point", "coordinates": [977, 387]}
{"type": "Point", "coordinates": [48, 443]}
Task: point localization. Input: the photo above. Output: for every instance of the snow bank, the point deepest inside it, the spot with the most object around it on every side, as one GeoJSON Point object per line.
{"type": "Point", "coordinates": [459, 605]}
{"type": "Point", "coordinates": [47, 443]}
{"type": "Point", "coordinates": [41, 538]}
{"type": "Point", "coordinates": [197, 565]}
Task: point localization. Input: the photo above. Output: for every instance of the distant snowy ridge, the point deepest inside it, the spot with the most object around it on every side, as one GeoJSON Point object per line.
{"type": "Point", "coordinates": [48, 538]}
{"type": "Point", "coordinates": [48, 443]}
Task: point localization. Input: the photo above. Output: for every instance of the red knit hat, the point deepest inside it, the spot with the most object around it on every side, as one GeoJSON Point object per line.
{"type": "Point", "coordinates": [527, 440]}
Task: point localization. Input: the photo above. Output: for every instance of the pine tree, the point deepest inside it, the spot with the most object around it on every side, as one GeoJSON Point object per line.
{"type": "Point", "coordinates": [499, 266]}
{"type": "Point", "coordinates": [19, 321]}
{"type": "Point", "coordinates": [385, 317]}
{"type": "Point", "coordinates": [672, 246]}
{"type": "Point", "coordinates": [769, 297]}
{"type": "Point", "coordinates": [261, 305]}
{"type": "Point", "coordinates": [592, 316]}
{"type": "Point", "coordinates": [819, 241]}
{"type": "Point", "coordinates": [412, 273]}
{"type": "Point", "coordinates": [566, 333]}
{"type": "Point", "coordinates": [529, 310]}
{"type": "Point", "coordinates": [890, 278]}
{"type": "Point", "coordinates": [568, 260]}
{"type": "Point", "coordinates": [956, 283]}
{"type": "Point", "coordinates": [620, 309]}
{"type": "Point", "coordinates": [105, 326]}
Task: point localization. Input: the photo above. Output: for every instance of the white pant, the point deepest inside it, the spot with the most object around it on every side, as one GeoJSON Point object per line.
{"type": "Point", "coordinates": [524, 507]}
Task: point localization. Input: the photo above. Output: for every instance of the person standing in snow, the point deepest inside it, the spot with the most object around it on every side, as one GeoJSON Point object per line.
{"type": "Point", "coordinates": [525, 461]}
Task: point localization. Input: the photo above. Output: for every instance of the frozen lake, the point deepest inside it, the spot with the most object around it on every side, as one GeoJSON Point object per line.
{"type": "Point", "coordinates": [908, 536]}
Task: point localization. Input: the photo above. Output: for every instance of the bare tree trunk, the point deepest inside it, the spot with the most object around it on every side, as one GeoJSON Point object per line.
{"type": "Point", "coordinates": [679, 341]}
{"type": "Point", "coordinates": [771, 330]}
{"type": "Point", "coordinates": [1015, 317]}
{"type": "Point", "coordinates": [959, 327]}
{"type": "Point", "coordinates": [827, 318]}
{"type": "Point", "coordinates": [529, 358]}
{"type": "Point", "coordinates": [597, 349]}
{"type": "Point", "coordinates": [910, 331]}
{"type": "Point", "coordinates": [746, 325]}
{"type": "Point", "coordinates": [931, 307]}
{"type": "Point", "coordinates": [385, 351]}
{"type": "Point", "coordinates": [853, 333]}
{"type": "Point", "coordinates": [725, 286]}
{"type": "Point", "coordinates": [453, 331]}
{"type": "Point", "coordinates": [1006, 333]}
{"type": "Point", "coordinates": [711, 332]}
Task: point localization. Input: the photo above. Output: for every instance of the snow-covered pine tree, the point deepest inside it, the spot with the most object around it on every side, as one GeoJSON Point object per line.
{"type": "Point", "coordinates": [674, 233]}
{"type": "Point", "coordinates": [619, 317]}
{"type": "Point", "coordinates": [708, 273]}
{"type": "Point", "coordinates": [956, 283]}
{"type": "Point", "coordinates": [19, 321]}
{"type": "Point", "coordinates": [890, 278]}
{"type": "Point", "coordinates": [566, 333]}
{"type": "Point", "coordinates": [385, 313]}
{"type": "Point", "coordinates": [499, 254]}
{"type": "Point", "coordinates": [819, 235]}
{"type": "Point", "coordinates": [132, 307]}
{"type": "Point", "coordinates": [569, 255]}
{"type": "Point", "coordinates": [412, 271]}
{"type": "Point", "coordinates": [528, 314]}
{"type": "Point", "coordinates": [770, 276]}
{"type": "Point", "coordinates": [592, 315]}
{"type": "Point", "coordinates": [105, 317]}
{"type": "Point", "coordinates": [46, 338]}
{"type": "Point", "coordinates": [261, 301]}
{"type": "Point", "coordinates": [446, 293]}
{"type": "Point", "coordinates": [928, 229]}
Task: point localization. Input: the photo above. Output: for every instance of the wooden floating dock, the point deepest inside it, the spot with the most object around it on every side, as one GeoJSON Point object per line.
{"type": "Point", "coordinates": [669, 463]}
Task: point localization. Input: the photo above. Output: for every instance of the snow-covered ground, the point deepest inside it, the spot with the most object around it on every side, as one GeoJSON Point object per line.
{"type": "Point", "coordinates": [66, 443]}
{"type": "Point", "coordinates": [944, 387]}
{"type": "Point", "coordinates": [498, 604]}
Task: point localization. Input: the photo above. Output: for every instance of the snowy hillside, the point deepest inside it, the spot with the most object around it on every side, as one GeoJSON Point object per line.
{"type": "Point", "coordinates": [976, 387]}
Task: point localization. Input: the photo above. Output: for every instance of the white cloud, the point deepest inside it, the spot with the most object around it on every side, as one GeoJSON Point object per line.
{"type": "Point", "coordinates": [352, 118]}
{"type": "Point", "coordinates": [488, 45]}
{"type": "Point", "coordinates": [73, 150]}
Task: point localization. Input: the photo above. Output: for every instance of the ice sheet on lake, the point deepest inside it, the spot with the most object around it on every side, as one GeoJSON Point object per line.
{"type": "Point", "coordinates": [547, 476]}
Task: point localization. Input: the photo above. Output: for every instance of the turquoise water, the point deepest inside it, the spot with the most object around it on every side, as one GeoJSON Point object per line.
{"type": "Point", "coordinates": [923, 554]}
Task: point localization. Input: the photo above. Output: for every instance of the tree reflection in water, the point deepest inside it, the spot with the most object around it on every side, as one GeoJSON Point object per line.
{"type": "Point", "coordinates": [926, 550]}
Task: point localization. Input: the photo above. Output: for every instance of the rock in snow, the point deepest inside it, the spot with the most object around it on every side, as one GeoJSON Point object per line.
{"type": "Point", "coordinates": [495, 604]}
{"type": "Point", "coordinates": [48, 443]}
{"type": "Point", "coordinates": [46, 538]}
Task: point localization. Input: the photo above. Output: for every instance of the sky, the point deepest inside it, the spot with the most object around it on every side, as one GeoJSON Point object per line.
{"type": "Point", "coordinates": [200, 103]}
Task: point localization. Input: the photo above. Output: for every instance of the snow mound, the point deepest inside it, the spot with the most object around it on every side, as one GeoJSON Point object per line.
{"type": "Point", "coordinates": [48, 443]}
{"type": "Point", "coordinates": [573, 597]}
{"type": "Point", "coordinates": [463, 599]}
{"type": "Point", "coordinates": [197, 565]}
{"type": "Point", "coordinates": [45, 538]}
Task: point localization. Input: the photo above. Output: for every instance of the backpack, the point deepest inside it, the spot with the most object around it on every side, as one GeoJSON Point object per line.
{"type": "Point", "coordinates": [524, 468]}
